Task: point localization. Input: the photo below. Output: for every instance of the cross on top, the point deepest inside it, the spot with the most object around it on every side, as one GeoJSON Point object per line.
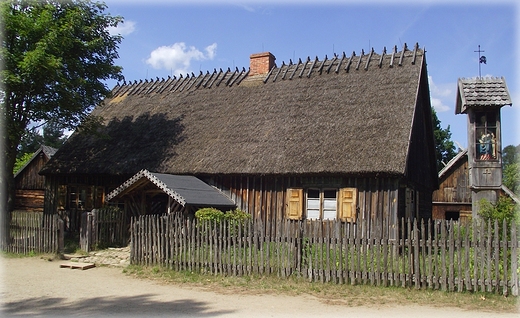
{"type": "Point", "coordinates": [481, 59]}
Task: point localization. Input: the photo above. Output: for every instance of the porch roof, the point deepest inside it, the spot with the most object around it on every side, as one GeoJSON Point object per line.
{"type": "Point", "coordinates": [186, 190]}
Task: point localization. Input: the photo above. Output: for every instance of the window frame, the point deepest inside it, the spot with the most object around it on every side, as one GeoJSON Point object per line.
{"type": "Point", "coordinates": [485, 143]}
{"type": "Point", "coordinates": [322, 206]}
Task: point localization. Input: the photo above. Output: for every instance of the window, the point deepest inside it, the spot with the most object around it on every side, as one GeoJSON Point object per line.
{"type": "Point", "coordinates": [323, 204]}
{"type": "Point", "coordinates": [485, 136]}
{"type": "Point", "coordinates": [83, 197]}
{"type": "Point", "coordinates": [450, 215]}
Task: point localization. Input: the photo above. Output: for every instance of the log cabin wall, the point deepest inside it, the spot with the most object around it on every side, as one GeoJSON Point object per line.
{"type": "Point", "coordinates": [29, 194]}
{"type": "Point", "coordinates": [264, 197]}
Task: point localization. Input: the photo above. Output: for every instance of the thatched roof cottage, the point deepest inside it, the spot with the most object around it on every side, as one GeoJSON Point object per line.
{"type": "Point", "coordinates": [345, 137]}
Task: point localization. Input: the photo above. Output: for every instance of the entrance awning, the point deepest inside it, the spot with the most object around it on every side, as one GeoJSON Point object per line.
{"type": "Point", "coordinates": [185, 190]}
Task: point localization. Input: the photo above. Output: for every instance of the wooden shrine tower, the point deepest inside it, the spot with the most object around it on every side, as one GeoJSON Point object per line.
{"type": "Point", "coordinates": [481, 100]}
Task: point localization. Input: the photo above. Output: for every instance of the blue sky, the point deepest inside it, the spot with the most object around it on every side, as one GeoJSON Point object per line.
{"type": "Point", "coordinates": [164, 38]}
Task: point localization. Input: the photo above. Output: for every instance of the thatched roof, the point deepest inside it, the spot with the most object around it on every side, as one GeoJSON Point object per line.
{"type": "Point", "coordinates": [346, 114]}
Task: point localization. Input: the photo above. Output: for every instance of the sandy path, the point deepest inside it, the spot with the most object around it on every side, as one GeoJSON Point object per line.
{"type": "Point", "coordinates": [32, 286]}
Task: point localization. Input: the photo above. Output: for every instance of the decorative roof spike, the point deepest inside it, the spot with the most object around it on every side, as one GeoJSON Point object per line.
{"type": "Point", "coordinates": [192, 74]}
{"type": "Point", "coordinates": [360, 58]}
{"type": "Point", "coordinates": [393, 56]}
{"type": "Point", "coordinates": [381, 58]}
{"type": "Point", "coordinates": [228, 69]}
{"type": "Point", "coordinates": [325, 57]}
{"type": "Point", "coordinates": [344, 55]}
{"type": "Point", "coordinates": [402, 54]}
{"type": "Point", "coordinates": [339, 64]}
{"type": "Point", "coordinates": [350, 61]}
{"type": "Point", "coordinates": [299, 61]}
{"type": "Point", "coordinates": [416, 47]}
{"type": "Point", "coordinates": [290, 62]}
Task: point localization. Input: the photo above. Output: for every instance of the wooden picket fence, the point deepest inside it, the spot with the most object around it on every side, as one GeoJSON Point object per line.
{"type": "Point", "coordinates": [440, 255]}
{"type": "Point", "coordinates": [102, 228]}
{"type": "Point", "coordinates": [34, 232]}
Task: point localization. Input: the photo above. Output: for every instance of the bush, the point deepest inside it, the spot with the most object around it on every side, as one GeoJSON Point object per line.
{"type": "Point", "coordinates": [234, 219]}
{"type": "Point", "coordinates": [504, 209]}
{"type": "Point", "coordinates": [209, 214]}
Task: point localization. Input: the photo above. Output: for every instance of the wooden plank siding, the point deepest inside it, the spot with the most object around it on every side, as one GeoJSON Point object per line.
{"type": "Point", "coordinates": [264, 197]}
{"type": "Point", "coordinates": [29, 185]}
{"type": "Point", "coordinates": [454, 193]}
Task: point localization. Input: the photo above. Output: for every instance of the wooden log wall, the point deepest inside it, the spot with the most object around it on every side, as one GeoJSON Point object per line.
{"type": "Point", "coordinates": [29, 200]}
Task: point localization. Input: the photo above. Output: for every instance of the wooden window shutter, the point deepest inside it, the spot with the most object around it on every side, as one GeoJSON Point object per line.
{"type": "Point", "coordinates": [294, 203]}
{"type": "Point", "coordinates": [347, 204]}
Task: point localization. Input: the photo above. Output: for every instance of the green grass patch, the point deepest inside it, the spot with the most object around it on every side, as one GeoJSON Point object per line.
{"type": "Point", "coordinates": [338, 294]}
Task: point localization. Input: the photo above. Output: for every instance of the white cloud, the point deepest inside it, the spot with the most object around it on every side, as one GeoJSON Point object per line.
{"type": "Point", "coordinates": [441, 95]}
{"type": "Point", "coordinates": [123, 28]}
{"type": "Point", "coordinates": [177, 57]}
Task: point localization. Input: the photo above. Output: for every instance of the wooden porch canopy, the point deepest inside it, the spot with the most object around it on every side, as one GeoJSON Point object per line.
{"type": "Point", "coordinates": [181, 190]}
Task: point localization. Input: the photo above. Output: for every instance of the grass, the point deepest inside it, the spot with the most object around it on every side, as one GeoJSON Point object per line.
{"type": "Point", "coordinates": [335, 294]}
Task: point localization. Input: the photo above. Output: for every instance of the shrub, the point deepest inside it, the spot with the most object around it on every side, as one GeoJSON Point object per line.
{"type": "Point", "coordinates": [209, 214]}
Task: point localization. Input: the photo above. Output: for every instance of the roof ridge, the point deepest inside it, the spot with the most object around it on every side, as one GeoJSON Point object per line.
{"type": "Point", "coordinates": [284, 72]}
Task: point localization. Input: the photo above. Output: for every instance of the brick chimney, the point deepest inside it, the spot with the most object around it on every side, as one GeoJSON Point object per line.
{"type": "Point", "coordinates": [261, 63]}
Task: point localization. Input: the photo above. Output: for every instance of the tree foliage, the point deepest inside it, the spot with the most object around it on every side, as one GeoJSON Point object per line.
{"type": "Point", "coordinates": [55, 57]}
{"type": "Point", "coordinates": [511, 171]}
{"type": "Point", "coordinates": [52, 136]}
{"type": "Point", "coordinates": [21, 161]}
{"type": "Point", "coordinates": [444, 148]}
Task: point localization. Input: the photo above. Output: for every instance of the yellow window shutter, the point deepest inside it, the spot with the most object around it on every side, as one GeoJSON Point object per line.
{"type": "Point", "coordinates": [294, 203]}
{"type": "Point", "coordinates": [347, 204]}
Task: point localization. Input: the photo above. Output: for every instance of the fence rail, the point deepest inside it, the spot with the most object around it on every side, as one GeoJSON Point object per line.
{"type": "Point", "coordinates": [34, 232]}
{"type": "Point", "coordinates": [435, 255]}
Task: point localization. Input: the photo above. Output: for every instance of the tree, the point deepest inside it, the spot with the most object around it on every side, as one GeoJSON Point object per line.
{"type": "Point", "coordinates": [510, 155]}
{"type": "Point", "coordinates": [511, 171]}
{"type": "Point", "coordinates": [55, 56]}
{"type": "Point", "coordinates": [51, 136]}
{"type": "Point", "coordinates": [444, 148]}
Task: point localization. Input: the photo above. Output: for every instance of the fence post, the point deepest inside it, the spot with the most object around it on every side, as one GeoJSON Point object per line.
{"type": "Point", "coordinates": [61, 235]}
{"type": "Point", "coordinates": [514, 260]}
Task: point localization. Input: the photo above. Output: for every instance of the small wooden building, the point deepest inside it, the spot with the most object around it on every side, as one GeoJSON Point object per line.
{"type": "Point", "coordinates": [29, 185]}
{"type": "Point", "coordinates": [347, 137]}
{"type": "Point", "coordinates": [453, 199]}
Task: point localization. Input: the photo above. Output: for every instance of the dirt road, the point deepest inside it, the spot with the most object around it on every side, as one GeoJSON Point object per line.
{"type": "Point", "coordinates": [33, 286]}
